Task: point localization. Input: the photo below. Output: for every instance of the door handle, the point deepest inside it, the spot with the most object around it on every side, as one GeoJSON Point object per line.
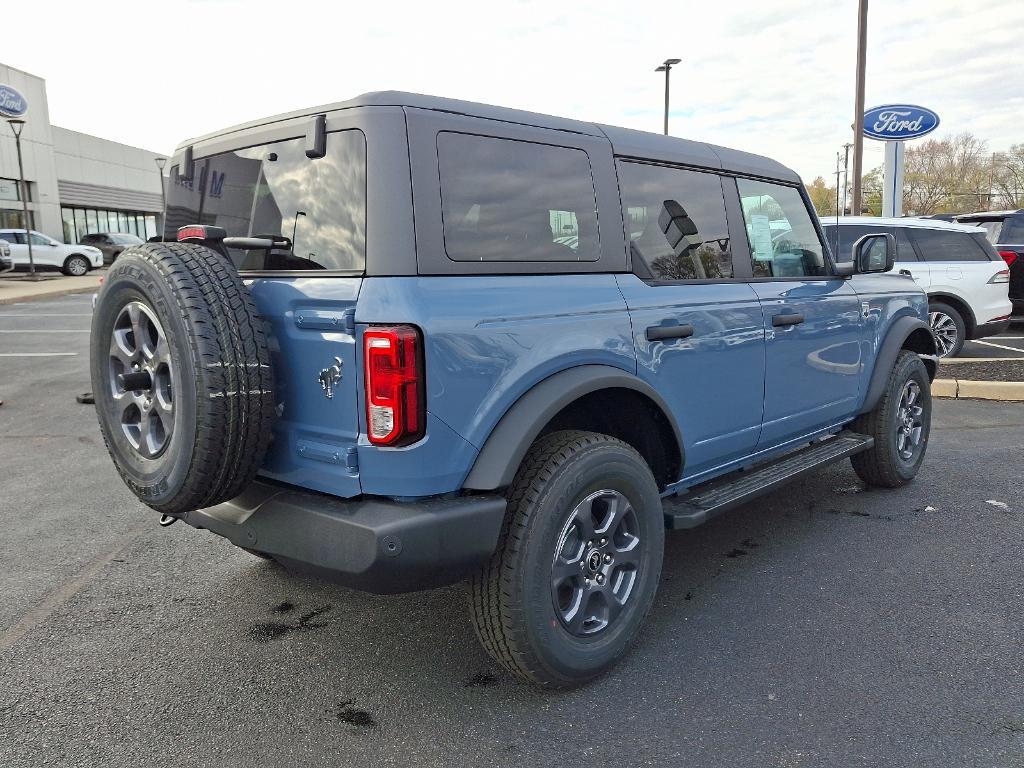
{"type": "Point", "coordinates": [674, 331]}
{"type": "Point", "coordinates": [787, 318]}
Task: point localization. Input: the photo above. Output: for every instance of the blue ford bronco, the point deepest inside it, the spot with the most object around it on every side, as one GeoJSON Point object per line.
{"type": "Point", "coordinates": [402, 341]}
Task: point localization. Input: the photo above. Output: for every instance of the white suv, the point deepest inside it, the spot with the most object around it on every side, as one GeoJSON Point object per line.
{"type": "Point", "coordinates": [48, 254]}
{"type": "Point", "coordinates": [966, 280]}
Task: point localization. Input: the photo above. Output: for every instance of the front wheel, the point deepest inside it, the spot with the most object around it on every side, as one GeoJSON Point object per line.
{"type": "Point", "coordinates": [900, 424]}
{"type": "Point", "coordinates": [577, 564]}
{"type": "Point", "coordinates": [76, 266]}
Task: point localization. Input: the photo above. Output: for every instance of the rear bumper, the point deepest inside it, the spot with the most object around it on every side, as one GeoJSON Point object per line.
{"type": "Point", "coordinates": [372, 544]}
{"type": "Point", "coordinates": [990, 329]}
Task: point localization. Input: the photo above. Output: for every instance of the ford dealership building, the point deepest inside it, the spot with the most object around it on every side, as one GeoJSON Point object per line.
{"type": "Point", "coordinates": [77, 183]}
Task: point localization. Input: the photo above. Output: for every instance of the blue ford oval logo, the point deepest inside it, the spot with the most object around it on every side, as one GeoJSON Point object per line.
{"type": "Point", "coordinates": [12, 103]}
{"type": "Point", "coordinates": [899, 122]}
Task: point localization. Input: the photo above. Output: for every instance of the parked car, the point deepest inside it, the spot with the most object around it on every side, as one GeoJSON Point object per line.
{"type": "Point", "coordinates": [964, 277]}
{"type": "Point", "coordinates": [49, 254]}
{"type": "Point", "coordinates": [111, 243]}
{"type": "Point", "coordinates": [421, 381]}
{"type": "Point", "coordinates": [6, 260]}
{"type": "Point", "coordinates": [1005, 230]}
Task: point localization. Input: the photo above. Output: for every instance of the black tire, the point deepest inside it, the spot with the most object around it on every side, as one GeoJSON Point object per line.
{"type": "Point", "coordinates": [514, 610]}
{"type": "Point", "coordinates": [76, 265]}
{"type": "Point", "coordinates": [883, 465]}
{"type": "Point", "coordinates": [940, 315]}
{"type": "Point", "coordinates": [217, 380]}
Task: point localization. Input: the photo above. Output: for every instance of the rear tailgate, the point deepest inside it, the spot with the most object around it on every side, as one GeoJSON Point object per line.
{"type": "Point", "coordinates": [314, 355]}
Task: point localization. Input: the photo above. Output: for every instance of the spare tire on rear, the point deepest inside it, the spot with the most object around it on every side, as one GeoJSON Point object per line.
{"type": "Point", "coordinates": [182, 376]}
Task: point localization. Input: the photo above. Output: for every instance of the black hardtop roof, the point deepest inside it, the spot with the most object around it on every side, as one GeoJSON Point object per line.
{"type": "Point", "coordinates": [631, 143]}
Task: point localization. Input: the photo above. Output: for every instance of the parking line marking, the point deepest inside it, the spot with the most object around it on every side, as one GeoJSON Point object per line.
{"type": "Point", "coordinates": [1001, 346]}
{"type": "Point", "coordinates": [38, 354]}
{"type": "Point", "coordinates": [56, 599]}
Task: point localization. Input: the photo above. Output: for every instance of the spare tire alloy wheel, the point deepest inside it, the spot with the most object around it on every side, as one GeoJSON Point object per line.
{"type": "Point", "coordinates": [141, 379]}
{"type": "Point", "coordinates": [182, 376]}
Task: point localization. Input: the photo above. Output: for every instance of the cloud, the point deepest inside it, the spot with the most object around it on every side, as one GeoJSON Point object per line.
{"type": "Point", "coordinates": [774, 78]}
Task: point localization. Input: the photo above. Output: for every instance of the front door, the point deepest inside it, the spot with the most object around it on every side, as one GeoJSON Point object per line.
{"type": "Point", "coordinates": [697, 330]}
{"type": "Point", "coordinates": [812, 320]}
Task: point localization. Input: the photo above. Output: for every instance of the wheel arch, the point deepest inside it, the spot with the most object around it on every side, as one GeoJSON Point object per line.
{"type": "Point", "coordinates": [910, 333]}
{"type": "Point", "coordinates": [961, 305]}
{"type": "Point", "coordinates": [580, 398]}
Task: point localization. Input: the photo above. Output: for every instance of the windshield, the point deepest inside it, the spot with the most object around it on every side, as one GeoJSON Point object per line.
{"type": "Point", "coordinates": [274, 189]}
{"type": "Point", "coordinates": [126, 239]}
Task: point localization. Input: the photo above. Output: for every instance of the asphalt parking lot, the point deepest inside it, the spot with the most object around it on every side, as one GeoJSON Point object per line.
{"type": "Point", "coordinates": [826, 625]}
{"type": "Point", "coordinates": [1009, 344]}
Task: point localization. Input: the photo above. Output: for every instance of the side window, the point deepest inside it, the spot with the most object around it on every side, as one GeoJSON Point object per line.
{"type": "Point", "coordinates": [904, 248]}
{"type": "Point", "coordinates": [676, 223]}
{"type": "Point", "coordinates": [38, 239]}
{"type": "Point", "coordinates": [940, 245]}
{"type": "Point", "coordinates": [1012, 230]}
{"type": "Point", "coordinates": [508, 200]}
{"type": "Point", "coordinates": [848, 235]}
{"type": "Point", "coordinates": [783, 240]}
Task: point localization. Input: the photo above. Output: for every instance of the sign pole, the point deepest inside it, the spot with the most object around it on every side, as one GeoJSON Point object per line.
{"type": "Point", "coordinates": [892, 191]}
{"type": "Point", "coordinates": [858, 119]}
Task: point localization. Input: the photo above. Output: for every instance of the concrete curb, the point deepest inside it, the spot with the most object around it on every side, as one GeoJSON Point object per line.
{"type": "Point", "coordinates": [963, 389]}
{"type": "Point", "coordinates": [19, 298]}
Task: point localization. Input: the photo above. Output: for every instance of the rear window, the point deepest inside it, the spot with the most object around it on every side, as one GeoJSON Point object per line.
{"type": "Point", "coordinates": [507, 200]}
{"type": "Point", "coordinates": [940, 245]}
{"type": "Point", "coordinates": [274, 189]}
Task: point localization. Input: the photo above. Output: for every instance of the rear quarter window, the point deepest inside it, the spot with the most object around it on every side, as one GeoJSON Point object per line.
{"type": "Point", "coordinates": [506, 200]}
{"type": "Point", "coordinates": [943, 245]}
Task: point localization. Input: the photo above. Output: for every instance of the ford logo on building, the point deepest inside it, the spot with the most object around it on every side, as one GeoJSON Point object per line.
{"type": "Point", "coordinates": [12, 103]}
{"type": "Point", "coordinates": [899, 122]}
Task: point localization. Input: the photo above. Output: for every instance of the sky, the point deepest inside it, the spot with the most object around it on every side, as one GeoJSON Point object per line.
{"type": "Point", "coordinates": [774, 77]}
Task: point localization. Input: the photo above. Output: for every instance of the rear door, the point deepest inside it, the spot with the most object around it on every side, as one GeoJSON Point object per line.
{"type": "Point", "coordinates": [812, 319]}
{"type": "Point", "coordinates": [306, 291]}
{"type": "Point", "coordinates": [697, 326]}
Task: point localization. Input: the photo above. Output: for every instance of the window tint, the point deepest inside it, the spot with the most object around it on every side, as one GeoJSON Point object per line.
{"type": "Point", "coordinates": [939, 245]}
{"type": "Point", "coordinates": [676, 223]}
{"type": "Point", "coordinates": [504, 200]}
{"type": "Point", "coordinates": [38, 239]}
{"type": "Point", "coordinates": [783, 240]}
{"type": "Point", "coordinates": [848, 235]}
{"type": "Point", "coordinates": [904, 248]}
{"type": "Point", "coordinates": [1013, 230]}
{"type": "Point", "coordinates": [274, 189]}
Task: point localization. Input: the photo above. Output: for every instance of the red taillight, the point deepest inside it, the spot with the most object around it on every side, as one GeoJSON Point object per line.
{"type": "Point", "coordinates": [1009, 257]}
{"type": "Point", "coordinates": [393, 370]}
{"type": "Point", "coordinates": [191, 233]}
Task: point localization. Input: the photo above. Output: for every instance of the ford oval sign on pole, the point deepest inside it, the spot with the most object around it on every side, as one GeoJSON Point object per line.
{"type": "Point", "coordinates": [899, 122]}
{"type": "Point", "coordinates": [12, 103]}
{"type": "Point", "coordinates": [895, 124]}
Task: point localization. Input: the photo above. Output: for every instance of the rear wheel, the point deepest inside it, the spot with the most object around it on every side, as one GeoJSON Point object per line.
{"type": "Point", "coordinates": [577, 564]}
{"type": "Point", "coordinates": [76, 266]}
{"type": "Point", "coordinates": [900, 425]}
{"type": "Point", "coordinates": [949, 328]}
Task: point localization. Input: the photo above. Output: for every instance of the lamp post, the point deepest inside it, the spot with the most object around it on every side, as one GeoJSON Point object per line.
{"type": "Point", "coordinates": [160, 163]}
{"type": "Point", "coordinates": [858, 116]}
{"type": "Point", "coordinates": [666, 67]}
{"type": "Point", "coordinates": [17, 125]}
{"type": "Point", "coordinates": [294, 225]}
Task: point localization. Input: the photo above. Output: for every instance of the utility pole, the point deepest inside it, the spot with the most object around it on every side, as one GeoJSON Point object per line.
{"type": "Point", "coordinates": [846, 175]}
{"type": "Point", "coordinates": [160, 163]}
{"type": "Point", "coordinates": [666, 67]}
{"type": "Point", "coordinates": [858, 118]}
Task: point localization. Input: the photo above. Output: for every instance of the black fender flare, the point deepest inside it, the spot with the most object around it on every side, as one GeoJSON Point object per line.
{"type": "Point", "coordinates": [894, 340]}
{"type": "Point", "coordinates": [505, 447]}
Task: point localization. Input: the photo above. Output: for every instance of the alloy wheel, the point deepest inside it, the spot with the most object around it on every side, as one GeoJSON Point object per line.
{"type": "Point", "coordinates": [596, 564]}
{"type": "Point", "coordinates": [140, 379]}
{"type": "Point", "coordinates": [945, 330]}
{"type": "Point", "coordinates": [909, 422]}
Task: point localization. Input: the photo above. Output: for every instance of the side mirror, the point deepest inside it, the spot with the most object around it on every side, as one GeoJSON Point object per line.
{"type": "Point", "coordinates": [875, 253]}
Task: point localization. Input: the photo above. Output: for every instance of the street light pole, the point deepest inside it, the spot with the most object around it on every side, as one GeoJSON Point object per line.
{"type": "Point", "coordinates": [160, 163]}
{"type": "Point", "coordinates": [846, 175]}
{"type": "Point", "coordinates": [17, 126]}
{"type": "Point", "coordinates": [294, 225]}
{"type": "Point", "coordinates": [858, 118]}
{"type": "Point", "coordinates": [666, 67]}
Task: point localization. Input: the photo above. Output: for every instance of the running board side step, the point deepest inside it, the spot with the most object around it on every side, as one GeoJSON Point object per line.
{"type": "Point", "coordinates": [707, 500]}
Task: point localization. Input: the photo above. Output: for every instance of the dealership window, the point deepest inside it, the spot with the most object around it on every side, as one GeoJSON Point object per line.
{"type": "Point", "coordinates": [79, 222]}
{"type": "Point", "coordinates": [13, 218]}
{"type": "Point", "coordinates": [10, 189]}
